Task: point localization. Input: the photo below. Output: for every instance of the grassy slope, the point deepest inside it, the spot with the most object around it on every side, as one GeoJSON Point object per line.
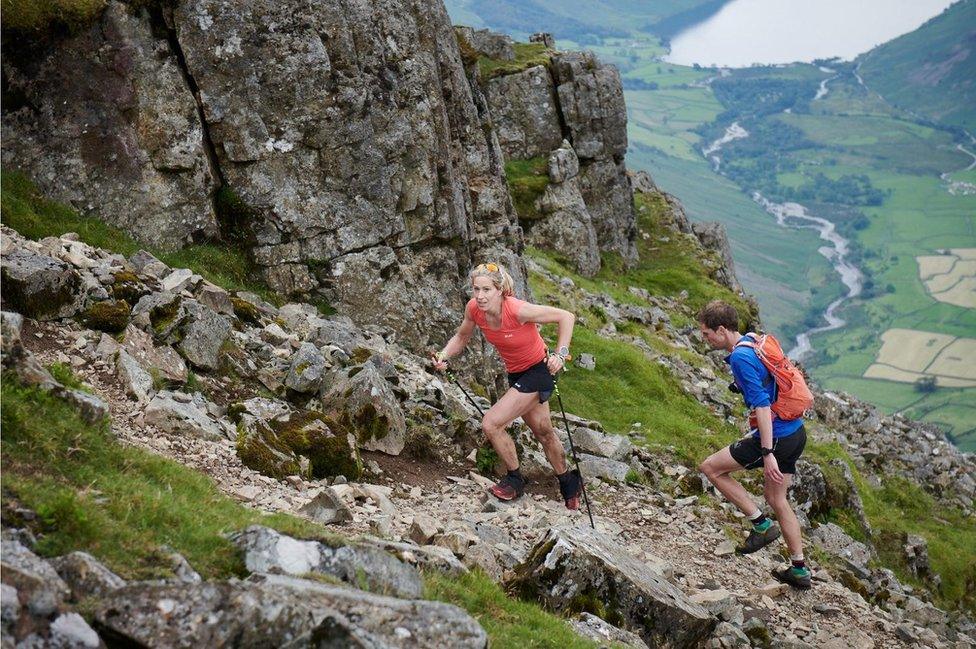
{"type": "Point", "coordinates": [931, 69]}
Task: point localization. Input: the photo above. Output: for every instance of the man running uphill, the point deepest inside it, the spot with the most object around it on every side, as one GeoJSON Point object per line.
{"type": "Point", "coordinates": [510, 325]}
{"type": "Point", "coordinates": [775, 443]}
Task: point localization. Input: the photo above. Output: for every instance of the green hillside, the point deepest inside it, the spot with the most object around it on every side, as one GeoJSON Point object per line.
{"type": "Point", "coordinates": [931, 70]}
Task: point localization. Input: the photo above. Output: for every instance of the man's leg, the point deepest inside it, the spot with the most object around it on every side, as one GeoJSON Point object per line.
{"type": "Point", "coordinates": [512, 405]}
{"type": "Point", "coordinates": [776, 497]}
{"type": "Point", "coordinates": [796, 575]}
{"type": "Point", "coordinates": [717, 468]}
{"type": "Point", "coordinates": [539, 421]}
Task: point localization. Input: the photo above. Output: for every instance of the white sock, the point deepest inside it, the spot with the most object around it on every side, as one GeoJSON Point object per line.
{"type": "Point", "coordinates": [756, 515]}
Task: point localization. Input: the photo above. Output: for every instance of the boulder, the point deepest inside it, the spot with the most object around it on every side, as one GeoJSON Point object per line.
{"type": "Point", "coordinates": [40, 287]}
{"type": "Point", "coordinates": [327, 508]}
{"type": "Point", "coordinates": [588, 440]}
{"type": "Point", "coordinates": [85, 575]}
{"type": "Point", "coordinates": [369, 404]}
{"type": "Point", "coordinates": [306, 370]}
{"type": "Point", "coordinates": [204, 334]}
{"type": "Point", "coordinates": [365, 566]}
{"type": "Point", "coordinates": [179, 413]}
{"type": "Point", "coordinates": [834, 540]}
{"type": "Point", "coordinates": [10, 326]}
{"type": "Point", "coordinates": [601, 467]}
{"type": "Point", "coordinates": [136, 381]}
{"type": "Point", "coordinates": [604, 633]}
{"type": "Point", "coordinates": [266, 608]}
{"type": "Point", "coordinates": [713, 237]}
{"type": "Point", "coordinates": [579, 569]}
{"type": "Point", "coordinates": [161, 314]}
{"type": "Point", "coordinates": [163, 361]}
{"type": "Point", "coordinates": [423, 556]}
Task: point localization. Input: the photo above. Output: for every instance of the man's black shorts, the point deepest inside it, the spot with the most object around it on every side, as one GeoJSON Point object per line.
{"type": "Point", "coordinates": [787, 451]}
{"type": "Point", "coordinates": [534, 379]}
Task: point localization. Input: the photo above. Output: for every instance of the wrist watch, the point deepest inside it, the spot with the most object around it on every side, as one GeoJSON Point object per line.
{"type": "Point", "coordinates": [563, 352]}
{"type": "Point", "coordinates": [766, 451]}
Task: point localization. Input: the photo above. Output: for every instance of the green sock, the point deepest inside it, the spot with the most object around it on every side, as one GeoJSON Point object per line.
{"type": "Point", "coordinates": [762, 527]}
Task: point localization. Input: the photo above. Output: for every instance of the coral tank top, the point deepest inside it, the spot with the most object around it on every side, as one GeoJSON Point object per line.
{"type": "Point", "coordinates": [519, 345]}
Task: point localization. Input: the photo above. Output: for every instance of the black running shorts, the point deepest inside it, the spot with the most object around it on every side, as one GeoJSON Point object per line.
{"type": "Point", "coordinates": [534, 379]}
{"type": "Point", "coordinates": [747, 451]}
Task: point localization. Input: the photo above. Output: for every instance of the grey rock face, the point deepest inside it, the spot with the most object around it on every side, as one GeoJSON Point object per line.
{"type": "Point", "coordinates": [566, 226]}
{"type": "Point", "coordinates": [267, 608]}
{"type": "Point", "coordinates": [524, 111]}
{"type": "Point", "coordinates": [588, 440]}
{"type": "Point", "coordinates": [370, 404]}
{"type": "Point", "coordinates": [70, 630]}
{"type": "Point", "coordinates": [610, 203]}
{"type": "Point", "coordinates": [40, 287]}
{"type": "Point", "coordinates": [10, 326]}
{"type": "Point", "coordinates": [115, 132]}
{"type": "Point", "coordinates": [593, 465]}
{"type": "Point", "coordinates": [203, 336]}
{"type": "Point", "coordinates": [833, 539]}
{"type": "Point", "coordinates": [176, 412]}
{"type": "Point", "coordinates": [641, 182]}
{"type": "Point", "coordinates": [591, 100]}
{"type": "Point", "coordinates": [488, 43]}
{"type": "Point", "coordinates": [573, 564]}
{"type": "Point", "coordinates": [350, 129]}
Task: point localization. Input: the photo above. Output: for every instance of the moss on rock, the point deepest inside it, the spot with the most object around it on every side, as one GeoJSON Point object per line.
{"type": "Point", "coordinates": [323, 440]}
{"type": "Point", "coordinates": [126, 286]}
{"type": "Point", "coordinates": [245, 310]}
{"type": "Point", "coordinates": [111, 317]}
{"type": "Point", "coordinates": [260, 449]}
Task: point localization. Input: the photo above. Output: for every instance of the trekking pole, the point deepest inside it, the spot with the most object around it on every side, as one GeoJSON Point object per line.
{"type": "Point", "coordinates": [572, 448]}
{"type": "Point", "coordinates": [453, 378]}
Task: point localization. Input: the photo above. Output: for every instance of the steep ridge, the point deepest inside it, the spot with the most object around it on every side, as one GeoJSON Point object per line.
{"type": "Point", "coordinates": [337, 420]}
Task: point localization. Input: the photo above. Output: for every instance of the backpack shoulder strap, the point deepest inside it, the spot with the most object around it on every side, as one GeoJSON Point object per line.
{"type": "Point", "coordinates": [748, 343]}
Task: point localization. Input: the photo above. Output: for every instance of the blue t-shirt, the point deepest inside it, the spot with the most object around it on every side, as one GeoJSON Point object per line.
{"type": "Point", "coordinates": [758, 387]}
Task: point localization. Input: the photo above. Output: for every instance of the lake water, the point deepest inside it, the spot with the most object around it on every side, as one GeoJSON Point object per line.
{"type": "Point", "coordinates": [744, 32]}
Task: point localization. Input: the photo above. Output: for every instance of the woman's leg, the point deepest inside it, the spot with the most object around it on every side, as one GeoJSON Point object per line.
{"type": "Point", "coordinates": [539, 420]}
{"type": "Point", "coordinates": [512, 405]}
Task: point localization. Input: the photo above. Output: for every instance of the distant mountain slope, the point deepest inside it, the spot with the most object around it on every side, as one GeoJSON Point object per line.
{"type": "Point", "coordinates": [931, 70]}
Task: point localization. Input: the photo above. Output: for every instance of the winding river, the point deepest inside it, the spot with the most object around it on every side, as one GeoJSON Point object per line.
{"type": "Point", "coordinates": [794, 215]}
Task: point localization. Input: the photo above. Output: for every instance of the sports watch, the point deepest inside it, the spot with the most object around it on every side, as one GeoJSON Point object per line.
{"type": "Point", "coordinates": [563, 352]}
{"type": "Point", "coordinates": [766, 451]}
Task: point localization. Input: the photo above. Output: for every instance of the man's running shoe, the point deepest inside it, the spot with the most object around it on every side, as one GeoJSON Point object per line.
{"type": "Point", "coordinates": [758, 540]}
{"type": "Point", "coordinates": [571, 487]}
{"type": "Point", "coordinates": [508, 488]}
{"type": "Point", "coordinates": [795, 577]}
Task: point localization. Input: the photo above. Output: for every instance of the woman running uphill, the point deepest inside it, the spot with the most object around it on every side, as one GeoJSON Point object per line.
{"type": "Point", "coordinates": [510, 325]}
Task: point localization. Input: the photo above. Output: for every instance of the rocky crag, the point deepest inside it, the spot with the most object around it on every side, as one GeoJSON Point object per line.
{"type": "Point", "coordinates": [370, 154]}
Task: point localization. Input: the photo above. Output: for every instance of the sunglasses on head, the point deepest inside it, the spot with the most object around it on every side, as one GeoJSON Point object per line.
{"type": "Point", "coordinates": [491, 268]}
